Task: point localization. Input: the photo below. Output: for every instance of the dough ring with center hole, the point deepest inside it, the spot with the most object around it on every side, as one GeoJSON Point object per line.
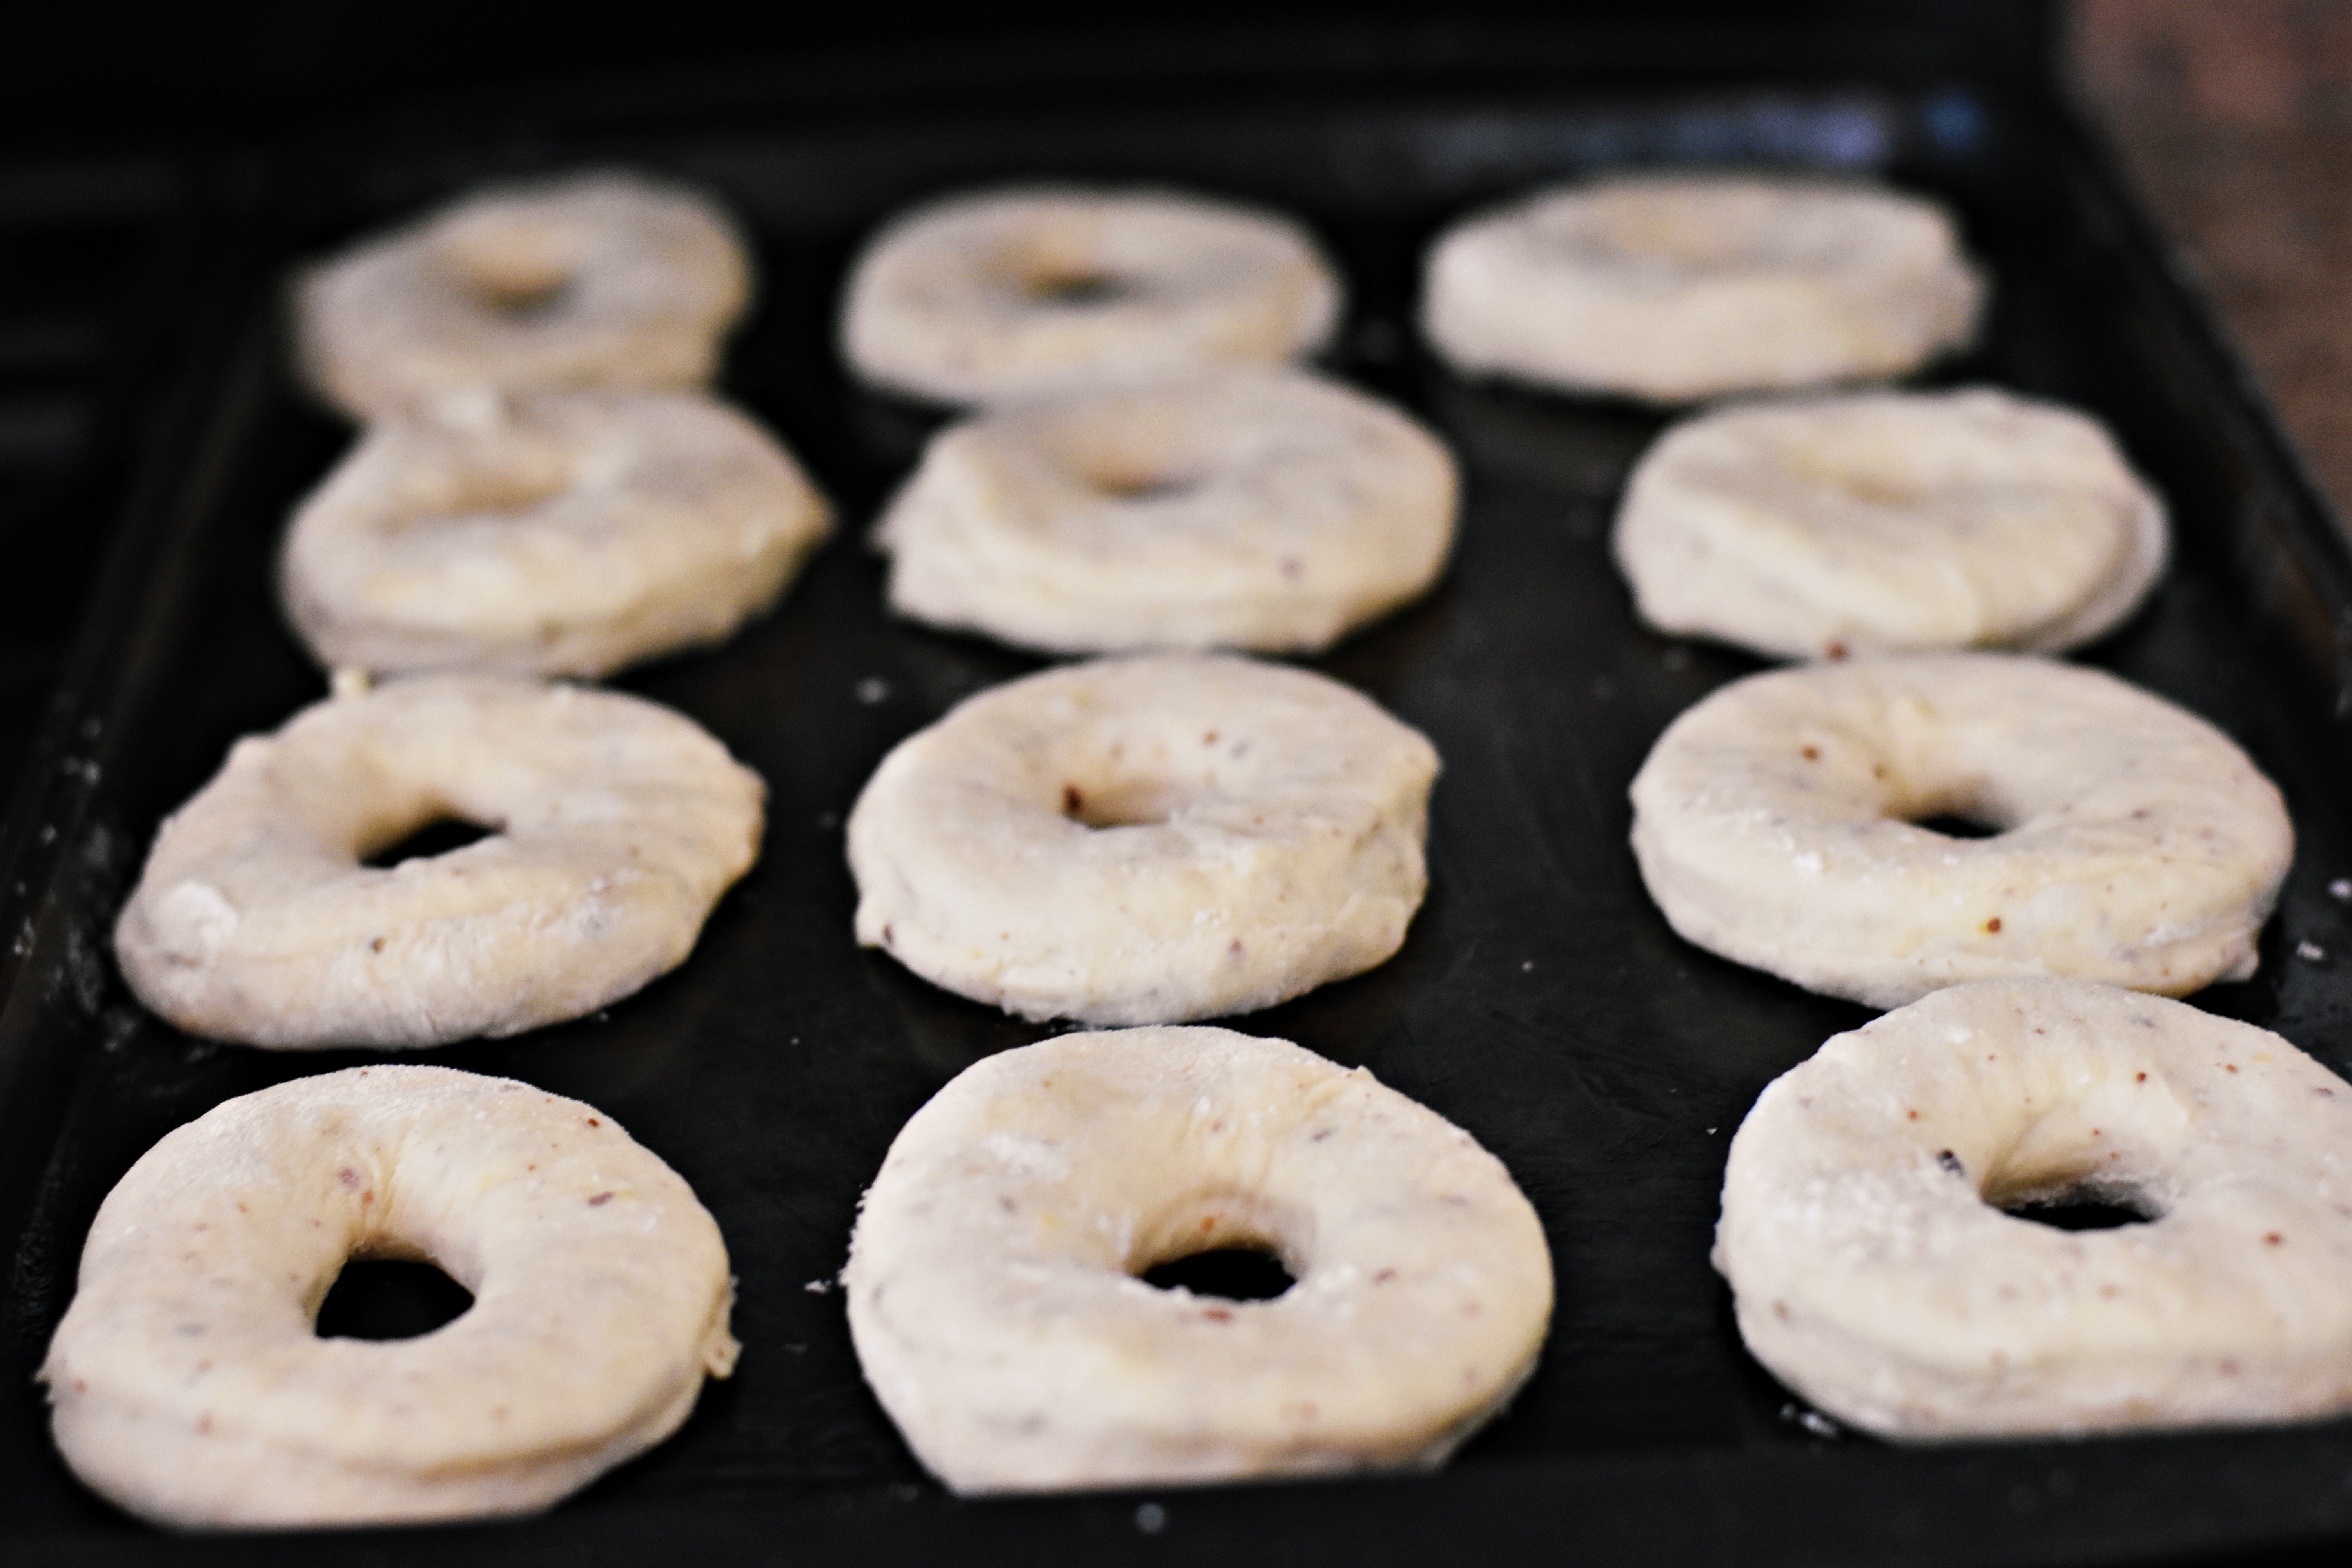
{"type": "Point", "coordinates": [1876, 1274]}
{"type": "Point", "coordinates": [189, 1385]}
{"type": "Point", "coordinates": [1776, 825]}
{"type": "Point", "coordinates": [1674, 287]}
{"type": "Point", "coordinates": [1889, 520]}
{"type": "Point", "coordinates": [992, 1289]}
{"type": "Point", "coordinates": [592, 281]}
{"type": "Point", "coordinates": [1268, 510]}
{"type": "Point", "coordinates": [1147, 839]}
{"type": "Point", "coordinates": [615, 826]}
{"type": "Point", "coordinates": [547, 534]}
{"type": "Point", "coordinates": [1000, 295]}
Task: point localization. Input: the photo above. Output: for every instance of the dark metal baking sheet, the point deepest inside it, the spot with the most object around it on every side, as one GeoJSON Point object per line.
{"type": "Point", "coordinates": [1540, 1001]}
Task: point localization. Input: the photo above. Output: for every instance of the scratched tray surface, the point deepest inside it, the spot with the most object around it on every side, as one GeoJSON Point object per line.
{"type": "Point", "coordinates": [1540, 1001]}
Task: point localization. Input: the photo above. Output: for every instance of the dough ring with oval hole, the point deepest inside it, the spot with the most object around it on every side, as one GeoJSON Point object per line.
{"type": "Point", "coordinates": [1889, 520]}
{"type": "Point", "coordinates": [1674, 287]}
{"type": "Point", "coordinates": [993, 1289]}
{"type": "Point", "coordinates": [994, 296]}
{"type": "Point", "coordinates": [190, 1388]}
{"type": "Point", "coordinates": [1876, 1274]}
{"type": "Point", "coordinates": [1147, 839]}
{"type": "Point", "coordinates": [567, 533]}
{"type": "Point", "coordinates": [592, 280]}
{"type": "Point", "coordinates": [1267, 511]}
{"type": "Point", "coordinates": [614, 825]}
{"type": "Point", "coordinates": [1776, 824]}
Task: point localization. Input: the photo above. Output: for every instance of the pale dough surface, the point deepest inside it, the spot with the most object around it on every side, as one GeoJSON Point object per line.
{"type": "Point", "coordinates": [564, 534]}
{"type": "Point", "coordinates": [190, 1388]}
{"type": "Point", "coordinates": [617, 824]}
{"type": "Point", "coordinates": [1026, 291]}
{"type": "Point", "coordinates": [1256, 509]}
{"type": "Point", "coordinates": [1876, 1274]}
{"type": "Point", "coordinates": [1889, 520]}
{"type": "Point", "coordinates": [1258, 832]}
{"type": "Point", "coordinates": [993, 1279]}
{"type": "Point", "coordinates": [1775, 825]}
{"type": "Point", "coordinates": [1669, 288]}
{"type": "Point", "coordinates": [598, 280]}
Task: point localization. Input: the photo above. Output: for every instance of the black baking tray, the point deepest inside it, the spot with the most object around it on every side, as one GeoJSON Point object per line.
{"type": "Point", "coordinates": [1540, 1001]}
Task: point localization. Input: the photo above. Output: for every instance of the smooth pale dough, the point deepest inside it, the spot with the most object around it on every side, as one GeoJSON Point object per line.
{"type": "Point", "coordinates": [1255, 831]}
{"type": "Point", "coordinates": [1876, 1274]}
{"type": "Point", "coordinates": [1001, 295]}
{"type": "Point", "coordinates": [567, 533]}
{"type": "Point", "coordinates": [592, 281]}
{"type": "Point", "coordinates": [992, 1281]}
{"type": "Point", "coordinates": [1674, 287]}
{"type": "Point", "coordinates": [1889, 520]}
{"type": "Point", "coordinates": [190, 1388]}
{"type": "Point", "coordinates": [617, 825]}
{"type": "Point", "coordinates": [1774, 824]}
{"type": "Point", "coordinates": [1259, 510]}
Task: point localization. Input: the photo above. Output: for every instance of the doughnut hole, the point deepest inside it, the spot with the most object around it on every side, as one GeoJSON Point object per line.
{"type": "Point", "coordinates": [518, 269]}
{"type": "Point", "coordinates": [2073, 1168]}
{"type": "Point", "coordinates": [504, 479]}
{"type": "Point", "coordinates": [1954, 811]}
{"type": "Point", "coordinates": [1075, 286]}
{"type": "Point", "coordinates": [388, 1297]}
{"type": "Point", "coordinates": [1235, 1246]}
{"type": "Point", "coordinates": [440, 830]}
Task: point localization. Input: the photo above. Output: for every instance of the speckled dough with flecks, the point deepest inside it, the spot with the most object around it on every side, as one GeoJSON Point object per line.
{"type": "Point", "coordinates": [1876, 1274]}
{"type": "Point", "coordinates": [615, 826]}
{"type": "Point", "coordinates": [1776, 823]}
{"type": "Point", "coordinates": [993, 1279]}
{"type": "Point", "coordinates": [190, 1388]}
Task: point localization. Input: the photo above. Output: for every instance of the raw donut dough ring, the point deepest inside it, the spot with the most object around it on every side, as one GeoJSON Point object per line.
{"type": "Point", "coordinates": [992, 1289]}
{"type": "Point", "coordinates": [1675, 287]}
{"type": "Point", "coordinates": [190, 1388]}
{"type": "Point", "coordinates": [1261, 834]}
{"type": "Point", "coordinates": [995, 295]}
{"type": "Point", "coordinates": [567, 533]}
{"type": "Point", "coordinates": [1774, 824]}
{"type": "Point", "coordinates": [1266, 510]}
{"type": "Point", "coordinates": [1875, 1275]}
{"type": "Point", "coordinates": [592, 280]}
{"type": "Point", "coordinates": [1889, 520]}
{"type": "Point", "coordinates": [618, 824]}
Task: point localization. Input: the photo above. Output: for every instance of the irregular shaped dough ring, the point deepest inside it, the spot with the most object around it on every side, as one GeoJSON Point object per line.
{"type": "Point", "coordinates": [566, 533]}
{"type": "Point", "coordinates": [992, 1289]}
{"type": "Point", "coordinates": [1673, 287]}
{"type": "Point", "coordinates": [992, 296]}
{"type": "Point", "coordinates": [592, 280]}
{"type": "Point", "coordinates": [1249, 509]}
{"type": "Point", "coordinates": [1774, 825]}
{"type": "Point", "coordinates": [190, 1388]}
{"type": "Point", "coordinates": [1876, 1276]}
{"type": "Point", "coordinates": [617, 824]}
{"type": "Point", "coordinates": [1145, 840]}
{"type": "Point", "coordinates": [1889, 520]}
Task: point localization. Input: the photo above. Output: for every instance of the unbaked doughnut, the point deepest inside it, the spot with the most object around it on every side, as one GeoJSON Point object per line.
{"type": "Point", "coordinates": [1876, 1274]}
{"type": "Point", "coordinates": [992, 296]}
{"type": "Point", "coordinates": [1774, 823]}
{"type": "Point", "coordinates": [1888, 521]}
{"type": "Point", "coordinates": [993, 1279]}
{"type": "Point", "coordinates": [190, 1388]}
{"type": "Point", "coordinates": [1256, 509]}
{"type": "Point", "coordinates": [617, 825]}
{"type": "Point", "coordinates": [1672, 287]}
{"type": "Point", "coordinates": [1147, 839]}
{"type": "Point", "coordinates": [566, 533]}
{"type": "Point", "coordinates": [591, 280]}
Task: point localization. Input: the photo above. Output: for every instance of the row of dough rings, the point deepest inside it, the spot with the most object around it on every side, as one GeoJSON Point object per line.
{"type": "Point", "coordinates": [1875, 1274]}
{"type": "Point", "coordinates": [190, 1388]}
{"type": "Point", "coordinates": [1146, 840]}
{"type": "Point", "coordinates": [1267, 509]}
{"type": "Point", "coordinates": [1669, 288]}
{"type": "Point", "coordinates": [617, 824]}
{"type": "Point", "coordinates": [1888, 521]}
{"type": "Point", "coordinates": [996, 1312]}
